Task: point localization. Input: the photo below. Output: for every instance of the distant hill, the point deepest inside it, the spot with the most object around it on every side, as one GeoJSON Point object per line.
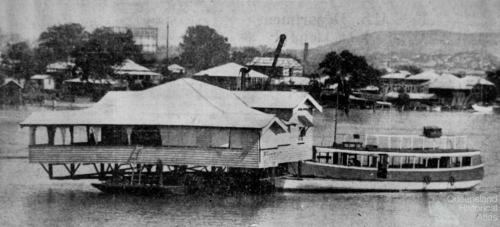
{"type": "Point", "coordinates": [428, 49]}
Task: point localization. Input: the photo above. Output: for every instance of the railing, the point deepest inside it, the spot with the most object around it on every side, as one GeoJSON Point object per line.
{"type": "Point", "coordinates": [399, 141]}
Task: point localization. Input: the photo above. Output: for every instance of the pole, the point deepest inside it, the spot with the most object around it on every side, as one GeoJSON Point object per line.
{"type": "Point", "coordinates": [336, 115]}
{"type": "Point", "coordinates": [167, 42]}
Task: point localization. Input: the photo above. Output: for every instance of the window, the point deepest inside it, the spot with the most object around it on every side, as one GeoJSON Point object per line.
{"type": "Point", "coordinates": [432, 162]}
{"type": "Point", "coordinates": [335, 159]}
{"type": "Point", "coordinates": [220, 138]}
{"type": "Point", "coordinates": [302, 133]}
{"type": "Point", "coordinates": [420, 162]}
{"type": "Point", "coordinates": [365, 160]}
{"type": "Point", "coordinates": [455, 161]}
{"type": "Point", "coordinates": [444, 162]}
{"type": "Point", "coordinates": [395, 162]}
{"type": "Point", "coordinates": [237, 136]}
{"type": "Point", "coordinates": [466, 161]}
{"type": "Point", "coordinates": [407, 162]}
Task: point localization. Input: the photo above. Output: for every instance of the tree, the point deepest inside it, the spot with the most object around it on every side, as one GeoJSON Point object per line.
{"type": "Point", "coordinates": [348, 71]}
{"type": "Point", "coordinates": [244, 56]}
{"type": "Point", "coordinates": [354, 68]}
{"type": "Point", "coordinates": [410, 68]}
{"type": "Point", "coordinates": [104, 49]}
{"type": "Point", "coordinates": [58, 42]}
{"type": "Point", "coordinates": [18, 61]}
{"type": "Point", "coordinates": [203, 47]}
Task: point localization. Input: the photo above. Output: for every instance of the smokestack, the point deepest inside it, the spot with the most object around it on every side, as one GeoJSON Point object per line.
{"type": "Point", "coordinates": [304, 57]}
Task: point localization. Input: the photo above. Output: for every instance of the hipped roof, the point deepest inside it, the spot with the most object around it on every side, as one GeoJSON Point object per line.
{"type": "Point", "coordinates": [277, 99]}
{"type": "Point", "coordinates": [281, 62]}
{"type": "Point", "coordinates": [184, 102]}
{"type": "Point", "coordinates": [447, 81]}
{"type": "Point", "coordinates": [396, 75]}
{"type": "Point", "coordinates": [40, 77]}
{"type": "Point", "coordinates": [427, 75]}
{"type": "Point", "coordinates": [174, 67]}
{"type": "Point", "coordinates": [471, 81]}
{"type": "Point", "coordinates": [130, 67]}
{"type": "Point", "coordinates": [229, 70]}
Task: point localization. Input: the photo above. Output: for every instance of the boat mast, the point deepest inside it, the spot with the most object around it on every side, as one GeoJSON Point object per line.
{"type": "Point", "coordinates": [336, 115]}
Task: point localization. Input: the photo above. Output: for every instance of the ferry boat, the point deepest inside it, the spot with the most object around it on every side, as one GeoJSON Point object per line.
{"type": "Point", "coordinates": [428, 162]}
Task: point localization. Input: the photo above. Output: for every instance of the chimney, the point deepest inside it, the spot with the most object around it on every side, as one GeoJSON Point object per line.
{"type": "Point", "coordinates": [304, 57]}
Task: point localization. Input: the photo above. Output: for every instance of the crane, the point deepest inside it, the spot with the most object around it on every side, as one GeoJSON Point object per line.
{"type": "Point", "coordinates": [277, 53]}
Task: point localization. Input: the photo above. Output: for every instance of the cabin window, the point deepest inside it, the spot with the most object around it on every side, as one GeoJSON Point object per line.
{"type": "Point", "coordinates": [352, 160]}
{"type": "Point", "coordinates": [420, 162]}
{"type": "Point", "coordinates": [432, 162]}
{"type": "Point", "coordinates": [220, 138]}
{"type": "Point", "coordinates": [365, 160]}
{"type": "Point", "coordinates": [407, 162]}
{"type": "Point", "coordinates": [444, 162]}
{"type": "Point", "coordinates": [455, 161]}
{"type": "Point", "coordinates": [335, 159]}
{"type": "Point", "coordinates": [466, 161]}
{"type": "Point", "coordinates": [373, 161]}
{"type": "Point", "coordinates": [395, 162]}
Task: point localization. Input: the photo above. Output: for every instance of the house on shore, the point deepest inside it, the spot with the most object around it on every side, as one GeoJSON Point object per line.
{"type": "Point", "coordinates": [184, 122]}
{"type": "Point", "coordinates": [286, 66]}
{"type": "Point", "coordinates": [129, 70]}
{"type": "Point", "coordinates": [228, 76]}
{"type": "Point", "coordinates": [44, 82]}
{"type": "Point", "coordinates": [393, 82]}
{"type": "Point", "coordinates": [11, 92]}
{"type": "Point", "coordinates": [177, 69]}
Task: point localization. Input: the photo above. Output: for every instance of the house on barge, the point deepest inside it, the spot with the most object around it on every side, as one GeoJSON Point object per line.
{"type": "Point", "coordinates": [182, 123]}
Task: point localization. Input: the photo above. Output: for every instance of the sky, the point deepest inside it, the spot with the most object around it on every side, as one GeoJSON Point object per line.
{"type": "Point", "coordinates": [255, 22]}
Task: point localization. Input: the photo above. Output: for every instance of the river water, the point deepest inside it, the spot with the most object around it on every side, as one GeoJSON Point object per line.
{"type": "Point", "coordinates": [28, 198]}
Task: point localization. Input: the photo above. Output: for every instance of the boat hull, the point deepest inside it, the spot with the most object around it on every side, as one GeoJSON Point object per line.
{"type": "Point", "coordinates": [139, 189]}
{"type": "Point", "coordinates": [324, 184]}
{"type": "Point", "coordinates": [327, 177]}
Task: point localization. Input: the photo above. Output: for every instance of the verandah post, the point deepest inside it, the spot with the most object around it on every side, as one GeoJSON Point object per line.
{"type": "Point", "coordinates": [51, 131]}
{"type": "Point", "coordinates": [71, 135]}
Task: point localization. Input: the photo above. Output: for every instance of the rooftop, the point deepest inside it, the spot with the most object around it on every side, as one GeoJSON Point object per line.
{"type": "Point", "coordinates": [276, 99]}
{"type": "Point", "coordinates": [183, 102]}
{"type": "Point", "coordinates": [228, 70]}
{"type": "Point", "coordinates": [40, 77]}
{"type": "Point", "coordinates": [397, 75]}
{"type": "Point", "coordinates": [282, 62]}
{"type": "Point", "coordinates": [130, 67]}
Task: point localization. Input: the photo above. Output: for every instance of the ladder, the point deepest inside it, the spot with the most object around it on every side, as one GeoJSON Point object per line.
{"type": "Point", "coordinates": [132, 159]}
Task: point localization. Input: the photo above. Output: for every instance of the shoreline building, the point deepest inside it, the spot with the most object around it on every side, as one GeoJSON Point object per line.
{"type": "Point", "coordinates": [44, 81]}
{"type": "Point", "coordinates": [228, 76]}
{"type": "Point", "coordinates": [11, 92]}
{"type": "Point", "coordinates": [131, 70]}
{"type": "Point", "coordinates": [181, 123]}
{"type": "Point", "coordinates": [287, 67]}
